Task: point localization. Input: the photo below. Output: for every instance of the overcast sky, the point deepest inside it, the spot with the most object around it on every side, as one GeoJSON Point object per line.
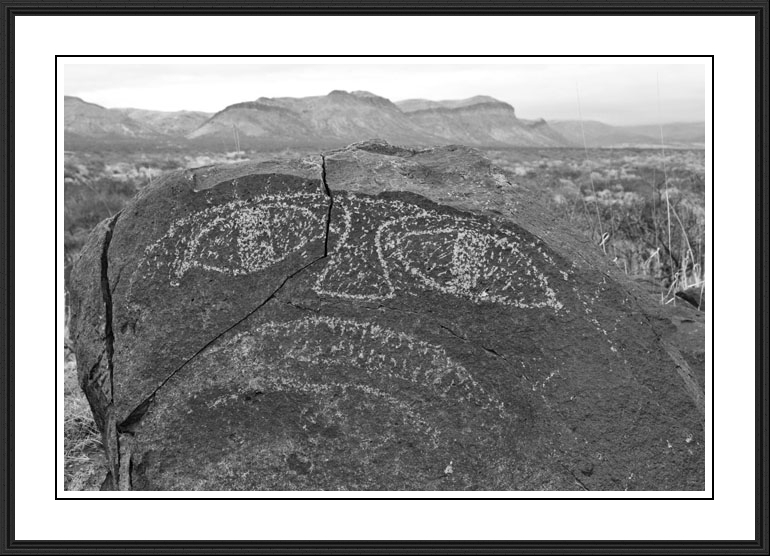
{"type": "Point", "coordinates": [615, 94]}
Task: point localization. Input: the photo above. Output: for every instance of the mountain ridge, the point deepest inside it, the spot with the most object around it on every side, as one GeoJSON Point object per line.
{"type": "Point", "coordinates": [599, 134]}
{"type": "Point", "coordinates": [341, 117]}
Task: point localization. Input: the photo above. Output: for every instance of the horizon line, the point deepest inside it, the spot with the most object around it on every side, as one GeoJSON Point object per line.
{"type": "Point", "coordinates": [669, 122]}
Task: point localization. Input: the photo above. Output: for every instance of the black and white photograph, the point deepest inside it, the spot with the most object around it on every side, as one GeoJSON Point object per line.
{"type": "Point", "coordinates": [479, 275]}
{"type": "Point", "coordinates": [426, 278]}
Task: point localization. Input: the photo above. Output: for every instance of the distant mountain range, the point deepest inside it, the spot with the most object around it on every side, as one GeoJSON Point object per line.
{"type": "Point", "coordinates": [598, 134]}
{"type": "Point", "coordinates": [88, 125]}
{"type": "Point", "coordinates": [341, 117]}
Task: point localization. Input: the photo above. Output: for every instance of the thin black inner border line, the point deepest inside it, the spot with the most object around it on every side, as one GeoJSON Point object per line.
{"type": "Point", "coordinates": [759, 283]}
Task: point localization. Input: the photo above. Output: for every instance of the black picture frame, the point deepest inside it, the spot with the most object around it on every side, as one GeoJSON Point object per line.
{"type": "Point", "coordinates": [760, 10]}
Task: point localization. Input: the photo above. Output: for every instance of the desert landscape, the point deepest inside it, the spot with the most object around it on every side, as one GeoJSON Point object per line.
{"type": "Point", "coordinates": [345, 292]}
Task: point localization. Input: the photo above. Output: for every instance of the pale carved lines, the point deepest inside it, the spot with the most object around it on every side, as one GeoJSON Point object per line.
{"type": "Point", "coordinates": [471, 261]}
{"type": "Point", "coordinates": [375, 256]}
{"type": "Point", "coordinates": [349, 253]}
{"type": "Point", "coordinates": [238, 237]}
{"type": "Point", "coordinates": [411, 416]}
{"type": "Point", "coordinates": [471, 258]}
{"type": "Point", "coordinates": [316, 353]}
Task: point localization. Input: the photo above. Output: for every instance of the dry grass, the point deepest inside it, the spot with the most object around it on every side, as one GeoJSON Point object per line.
{"type": "Point", "coordinates": [644, 208]}
{"type": "Point", "coordinates": [83, 460]}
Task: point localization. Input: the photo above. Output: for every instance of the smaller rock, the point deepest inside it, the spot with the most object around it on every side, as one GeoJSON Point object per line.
{"type": "Point", "coordinates": [694, 296]}
{"type": "Point", "coordinates": [587, 468]}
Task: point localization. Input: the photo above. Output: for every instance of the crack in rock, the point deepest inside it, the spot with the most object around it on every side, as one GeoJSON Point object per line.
{"type": "Point", "coordinates": [131, 423]}
{"type": "Point", "coordinates": [482, 346]}
{"type": "Point", "coordinates": [109, 336]}
{"type": "Point", "coordinates": [453, 333]}
{"type": "Point", "coordinates": [328, 193]}
{"type": "Point", "coordinates": [110, 437]}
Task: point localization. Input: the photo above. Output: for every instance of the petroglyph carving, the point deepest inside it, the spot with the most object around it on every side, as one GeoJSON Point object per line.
{"type": "Point", "coordinates": [468, 260]}
{"type": "Point", "coordinates": [383, 248]}
{"type": "Point", "coordinates": [329, 353]}
{"type": "Point", "coordinates": [357, 269]}
{"type": "Point", "coordinates": [377, 255]}
{"type": "Point", "coordinates": [238, 237]}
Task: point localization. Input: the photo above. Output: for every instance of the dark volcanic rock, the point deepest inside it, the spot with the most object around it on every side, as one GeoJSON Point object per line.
{"type": "Point", "coordinates": [370, 320]}
{"type": "Point", "coordinates": [694, 296]}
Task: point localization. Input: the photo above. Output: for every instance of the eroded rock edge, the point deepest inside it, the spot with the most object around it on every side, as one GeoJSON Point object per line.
{"type": "Point", "coordinates": [124, 431]}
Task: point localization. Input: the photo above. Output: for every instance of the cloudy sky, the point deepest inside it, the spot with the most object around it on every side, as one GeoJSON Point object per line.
{"type": "Point", "coordinates": [615, 94]}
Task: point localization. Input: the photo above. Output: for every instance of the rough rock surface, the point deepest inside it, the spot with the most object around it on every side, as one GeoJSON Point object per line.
{"type": "Point", "coordinates": [376, 318]}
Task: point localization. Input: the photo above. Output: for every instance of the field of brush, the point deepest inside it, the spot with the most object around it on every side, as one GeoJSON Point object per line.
{"type": "Point", "coordinates": [645, 208]}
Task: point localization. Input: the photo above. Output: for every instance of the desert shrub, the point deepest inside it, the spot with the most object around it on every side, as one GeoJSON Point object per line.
{"type": "Point", "coordinates": [645, 235]}
{"type": "Point", "coordinates": [86, 203]}
{"type": "Point", "coordinates": [619, 198]}
{"type": "Point", "coordinates": [82, 443]}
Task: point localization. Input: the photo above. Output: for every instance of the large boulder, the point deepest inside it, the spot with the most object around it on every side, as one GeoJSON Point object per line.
{"type": "Point", "coordinates": [376, 318]}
